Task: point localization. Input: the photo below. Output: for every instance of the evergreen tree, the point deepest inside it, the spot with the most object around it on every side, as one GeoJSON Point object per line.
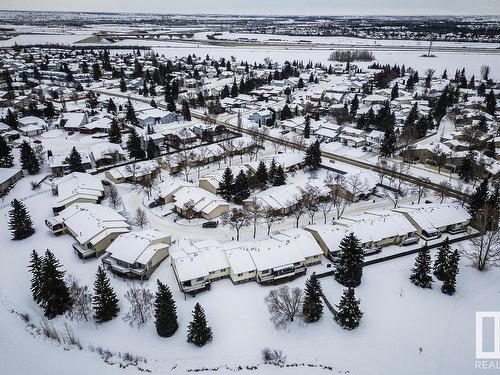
{"type": "Point", "coordinates": [123, 85]}
{"type": "Point", "coordinates": [111, 107]}
{"type": "Point", "coordinates": [226, 185]}
{"type": "Point", "coordinates": [490, 151]}
{"type": "Point", "coordinates": [279, 177]}
{"type": "Point", "coordinates": [152, 149]}
{"type": "Point", "coordinates": [421, 272]}
{"type": "Point", "coordinates": [467, 169]}
{"type": "Point", "coordinates": [6, 158]}
{"type": "Point", "coordinates": [313, 156]}
{"type": "Point", "coordinates": [75, 161]}
{"type": "Point", "coordinates": [35, 268]}
{"type": "Point", "coordinates": [349, 262]}
{"type": "Point", "coordinates": [307, 128]}
{"type": "Point", "coordinates": [354, 106]}
{"type": "Point", "coordinates": [49, 110]}
{"type": "Point", "coordinates": [11, 119]}
{"type": "Point", "coordinates": [388, 145]}
{"type": "Point", "coordinates": [272, 171]}
{"type": "Point", "coordinates": [199, 333]}
{"type": "Point", "coordinates": [394, 91]}
{"type": "Point", "coordinates": [348, 312]}
{"type": "Point", "coordinates": [165, 311]}
{"type": "Point", "coordinates": [490, 103]}
{"type": "Point", "coordinates": [104, 300]}
{"type": "Point", "coordinates": [261, 175]}
{"type": "Point", "coordinates": [442, 259]}
{"type": "Point", "coordinates": [312, 307]}
{"type": "Point", "coordinates": [134, 145]}
{"type": "Point", "coordinates": [478, 198]}
{"type": "Point", "coordinates": [29, 161]}
{"type": "Point", "coordinates": [450, 274]}
{"type": "Point", "coordinates": [115, 132]}
{"type": "Point", "coordinates": [20, 224]}
{"type": "Point", "coordinates": [186, 113]}
{"type": "Point", "coordinates": [240, 188]}
{"type": "Point", "coordinates": [130, 115]}
{"type": "Point", "coordinates": [54, 294]}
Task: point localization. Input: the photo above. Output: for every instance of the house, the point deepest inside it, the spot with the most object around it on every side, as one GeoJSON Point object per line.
{"type": "Point", "coordinates": [373, 230]}
{"type": "Point", "coordinates": [328, 132]}
{"type": "Point", "coordinates": [99, 125]}
{"type": "Point", "coordinates": [352, 137]}
{"type": "Point", "coordinates": [261, 117]}
{"type": "Point", "coordinates": [354, 186]}
{"type": "Point", "coordinates": [106, 153]}
{"type": "Point", "coordinates": [32, 120]}
{"type": "Point", "coordinates": [190, 271]}
{"type": "Point", "coordinates": [77, 187]}
{"type": "Point", "coordinates": [8, 177]}
{"type": "Point", "coordinates": [374, 139]}
{"type": "Point", "coordinates": [211, 182]}
{"type": "Point", "coordinates": [31, 130]}
{"type": "Point", "coordinates": [59, 164]}
{"type": "Point", "coordinates": [153, 116]}
{"type": "Point", "coordinates": [136, 172]}
{"type": "Point", "coordinates": [94, 227]}
{"type": "Point", "coordinates": [431, 220]}
{"type": "Point", "coordinates": [137, 254]}
{"type": "Point", "coordinates": [73, 121]}
{"type": "Point", "coordinates": [193, 201]}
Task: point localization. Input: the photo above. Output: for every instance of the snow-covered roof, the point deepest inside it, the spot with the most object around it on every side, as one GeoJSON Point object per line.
{"type": "Point", "coordinates": [434, 216]}
{"type": "Point", "coordinates": [76, 186]}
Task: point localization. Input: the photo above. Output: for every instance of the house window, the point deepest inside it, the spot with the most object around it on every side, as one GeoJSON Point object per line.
{"type": "Point", "coordinates": [200, 279]}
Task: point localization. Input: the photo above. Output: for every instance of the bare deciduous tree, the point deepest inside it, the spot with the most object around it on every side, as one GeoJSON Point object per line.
{"type": "Point", "coordinates": [81, 309]}
{"type": "Point", "coordinates": [299, 210]}
{"type": "Point", "coordinates": [284, 305]}
{"type": "Point", "coordinates": [422, 190]}
{"type": "Point", "coordinates": [141, 305]}
{"type": "Point", "coordinates": [256, 212]}
{"type": "Point", "coordinates": [140, 219]}
{"type": "Point", "coordinates": [236, 219]}
{"type": "Point", "coordinates": [484, 250]}
{"type": "Point", "coordinates": [114, 197]}
{"type": "Point", "coordinates": [270, 218]}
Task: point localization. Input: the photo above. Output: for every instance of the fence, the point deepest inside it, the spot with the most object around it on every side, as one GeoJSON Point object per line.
{"type": "Point", "coordinates": [26, 198]}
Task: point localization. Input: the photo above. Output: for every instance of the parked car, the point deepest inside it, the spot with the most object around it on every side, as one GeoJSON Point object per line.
{"type": "Point", "coordinates": [372, 251]}
{"type": "Point", "coordinates": [210, 224]}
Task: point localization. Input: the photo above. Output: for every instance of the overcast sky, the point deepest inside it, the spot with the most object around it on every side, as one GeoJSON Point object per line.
{"type": "Point", "coordinates": [262, 7]}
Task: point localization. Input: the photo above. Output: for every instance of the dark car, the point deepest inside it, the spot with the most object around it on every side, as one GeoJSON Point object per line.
{"type": "Point", "coordinates": [210, 224]}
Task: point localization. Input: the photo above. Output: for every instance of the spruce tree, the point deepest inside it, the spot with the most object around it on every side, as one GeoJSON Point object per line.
{"type": "Point", "coordinates": [241, 189]}
{"type": "Point", "coordinates": [349, 262]}
{"type": "Point", "coordinates": [450, 273]}
{"type": "Point", "coordinates": [75, 161]}
{"type": "Point", "coordinates": [134, 145]}
{"type": "Point", "coordinates": [115, 132]}
{"type": "Point", "coordinates": [6, 158]}
{"type": "Point", "coordinates": [261, 175]}
{"type": "Point", "coordinates": [307, 128]}
{"type": "Point", "coordinates": [11, 119]}
{"type": "Point", "coordinates": [272, 170]}
{"type": "Point", "coordinates": [29, 162]}
{"type": "Point", "coordinates": [186, 113]}
{"type": "Point", "coordinates": [279, 177]}
{"type": "Point", "coordinates": [490, 103]}
{"type": "Point", "coordinates": [104, 300]}
{"type": "Point", "coordinates": [199, 333]}
{"type": "Point", "coordinates": [130, 114]}
{"type": "Point", "coordinates": [388, 145]}
{"type": "Point", "coordinates": [313, 156]}
{"type": "Point", "coordinates": [152, 149]}
{"type": "Point", "coordinates": [226, 185]}
{"type": "Point", "coordinates": [20, 223]}
{"type": "Point", "coordinates": [442, 259]}
{"type": "Point", "coordinates": [312, 307]}
{"type": "Point", "coordinates": [354, 106]}
{"type": "Point", "coordinates": [478, 198]}
{"type": "Point", "coordinates": [111, 107]}
{"type": "Point", "coordinates": [123, 85]}
{"type": "Point", "coordinates": [394, 91]}
{"type": "Point", "coordinates": [348, 312]}
{"type": "Point", "coordinates": [421, 272]}
{"type": "Point", "coordinates": [467, 168]}
{"type": "Point", "coordinates": [54, 293]}
{"type": "Point", "coordinates": [35, 268]}
{"type": "Point", "coordinates": [165, 311]}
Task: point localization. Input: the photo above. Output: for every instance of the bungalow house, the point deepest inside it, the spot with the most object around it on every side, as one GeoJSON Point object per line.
{"type": "Point", "coordinates": [431, 220]}
{"type": "Point", "coordinates": [328, 132]}
{"type": "Point", "coordinates": [106, 153]}
{"type": "Point", "coordinates": [261, 117]}
{"type": "Point", "coordinates": [137, 254]}
{"type": "Point", "coordinates": [31, 130]}
{"type": "Point", "coordinates": [73, 121]}
{"type": "Point", "coordinates": [136, 172]}
{"type": "Point", "coordinates": [8, 177]}
{"type": "Point", "coordinates": [353, 186]}
{"type": "Point", "coordinates": [94, 227]}
{"type": "Point", "coordinates": [192, 201]}
{"type": "Point", "coordinates": [99, 125]}
{"type": "Point", "coordinates": [190, 271]}
{"type": "Point", "coordinates": [153, 116]}
{"type": "Point", "coordinates": [59, 164]}
{"type": "Point", "coordinates": [374, 139]}
{"type": "Point", "coordinates": [75, 188]}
